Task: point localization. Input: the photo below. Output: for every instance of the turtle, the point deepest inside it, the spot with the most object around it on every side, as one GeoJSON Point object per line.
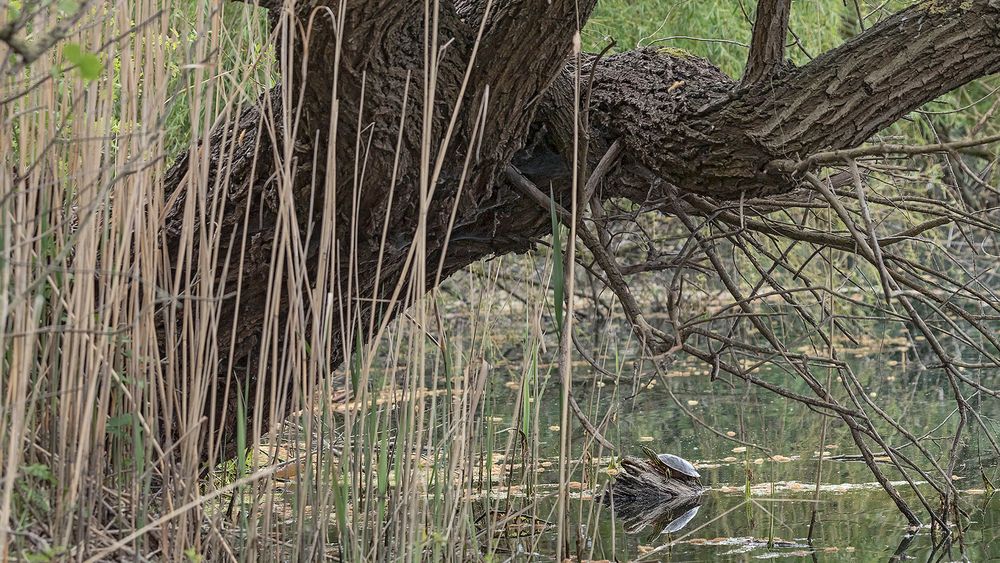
{"type": "Point", "coordinates": [674, 466]}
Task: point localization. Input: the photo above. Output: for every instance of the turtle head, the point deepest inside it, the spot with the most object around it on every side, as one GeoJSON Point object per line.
{"type": "Point", "coordinates": [653, 457]}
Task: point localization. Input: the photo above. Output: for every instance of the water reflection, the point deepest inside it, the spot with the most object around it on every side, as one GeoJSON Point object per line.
{"type": "Point", "coordinates": [775, 503]}
{"type": "Point", "coordinates": [669, 516]}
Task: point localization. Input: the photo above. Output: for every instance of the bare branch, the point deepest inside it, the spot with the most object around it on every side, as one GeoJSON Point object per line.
{"type": "Point", "coordinates": [30, 51]}
{"type": "Point", "coordinates": [882, 149]}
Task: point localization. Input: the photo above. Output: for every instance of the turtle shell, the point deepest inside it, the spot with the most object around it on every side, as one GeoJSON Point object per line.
{"type": "Point", "coordinates": [673, 463]}
{"type": "Point", "coordinates": [679, 465]}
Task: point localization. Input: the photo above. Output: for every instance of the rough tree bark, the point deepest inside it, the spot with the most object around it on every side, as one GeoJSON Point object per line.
{"type": "Point", "coordinates": [684, 125]}
{"type": "Point", "coordinates": [767, 53]}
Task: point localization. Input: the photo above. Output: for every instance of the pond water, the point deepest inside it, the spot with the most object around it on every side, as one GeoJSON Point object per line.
{"type": "Point", "coordinates": [850, 517]}
{"type": "Point", "coordinates": [759, 455]}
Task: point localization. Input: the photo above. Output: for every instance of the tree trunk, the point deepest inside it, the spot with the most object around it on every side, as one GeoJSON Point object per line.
{"type": "Point", "coordinates": [394, 155]}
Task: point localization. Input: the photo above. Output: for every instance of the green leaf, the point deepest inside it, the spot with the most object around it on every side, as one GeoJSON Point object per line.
{"type": "Point", "coordinates": [119, 426]}
{"type": "Point", "coordinates": [14, 10]}
{"type": "Point", "coordinates": [356, 364]}
{"type": "Point", "coordinates": [558, 277]}
{"type": "Point", "coordinates": [87, 64]}
{"type": "Point", "coordinates": [45, 555]}
{"type": "Point", "coordinates": [39, 471]}
{"type": "Point", "coordinates": [68, 6]}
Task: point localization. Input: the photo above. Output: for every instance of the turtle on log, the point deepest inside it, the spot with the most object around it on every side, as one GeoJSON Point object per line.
{"type": "Point", "coordinates": [654, 491]}
{"type": "Point", "coordinates": [674, 466]}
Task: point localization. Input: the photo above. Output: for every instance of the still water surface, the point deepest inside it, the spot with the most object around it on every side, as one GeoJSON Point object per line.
{"type": "Point", "coordinates": [854, 518]}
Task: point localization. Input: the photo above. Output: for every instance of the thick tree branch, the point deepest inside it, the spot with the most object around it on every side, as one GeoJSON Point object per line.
{"type": "Point", "coordinates": [767, 48]}
{"type": "Point", "coordinates": [685, 123]}
{"type": "Point", "coordinates": [850, 93]}
{"type": "Point", "coordinates": [682, 124]}
{"type": "Point", "coordinates": [530, 40]}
